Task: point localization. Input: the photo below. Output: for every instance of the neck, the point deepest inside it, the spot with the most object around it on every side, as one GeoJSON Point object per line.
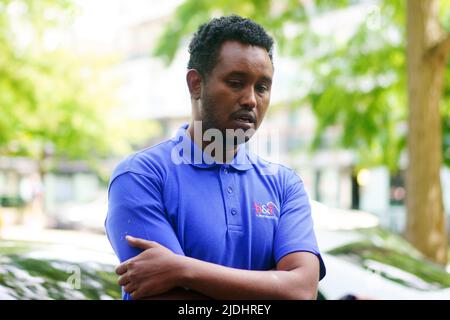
{"type": "Point", "coordinates": [228, 151]}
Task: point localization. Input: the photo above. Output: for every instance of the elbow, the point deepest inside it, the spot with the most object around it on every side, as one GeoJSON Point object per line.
{"type": "Point", "coordinates": [308, 295]}
{"type": "Point", "coordinates": [296, 285]}
{"type": "Point", "coordinates": [303, 294]}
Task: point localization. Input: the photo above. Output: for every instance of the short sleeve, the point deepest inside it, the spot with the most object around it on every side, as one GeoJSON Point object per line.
{"type": "Point", "coordinates": [295, 230]}
{"type": "Point", "coordinates": [135, 207]}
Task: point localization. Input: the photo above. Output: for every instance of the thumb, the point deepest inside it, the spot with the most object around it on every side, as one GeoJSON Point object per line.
{"type": "Point", "coordinates": [141, 243]}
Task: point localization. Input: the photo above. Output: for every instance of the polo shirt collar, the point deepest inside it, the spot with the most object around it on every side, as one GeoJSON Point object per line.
{"type": "Point", "coordinates": [242, 161]}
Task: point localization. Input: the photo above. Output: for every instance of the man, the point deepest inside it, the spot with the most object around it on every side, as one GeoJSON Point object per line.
{"type": "Point", "coordinates": [214, 222]}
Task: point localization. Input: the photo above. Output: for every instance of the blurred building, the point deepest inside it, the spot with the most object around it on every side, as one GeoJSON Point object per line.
{"type": "Point", "coordinates": [151, 90]}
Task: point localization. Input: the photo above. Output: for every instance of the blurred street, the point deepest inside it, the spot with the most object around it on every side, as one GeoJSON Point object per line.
{"type": "Point", "coordinates": [85, 239]}
{"type": "Point", "coordinates": [93, 246]}
{"type": "Point", "coordinates": [85, 83]}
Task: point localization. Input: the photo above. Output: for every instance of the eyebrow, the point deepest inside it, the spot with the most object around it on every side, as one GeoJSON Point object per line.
{"type": "Point", "coordinates": [243, 75]}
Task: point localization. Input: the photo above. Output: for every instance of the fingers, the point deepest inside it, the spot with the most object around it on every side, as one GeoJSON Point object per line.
{"type": "Point", "coordinates": [123, 267]}
{"type": "Point", "coordinates": [137, 294]}
{"type": "Point", "coordinates": [141, 243]}
{"type": "Point", "coordinates": [134, 295]}
{"type": "Point", "coordinates": [129, 288]}
{"type": "Point", "coordinates": [127, 285]}
{"type": "Point", "coordinates": [123, 280]}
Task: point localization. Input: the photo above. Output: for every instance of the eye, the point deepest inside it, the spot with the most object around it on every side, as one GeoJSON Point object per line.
{"type": "Point", "coordinates": [262, 88]}
{"type": "Point", "coordinates": [235, 84]}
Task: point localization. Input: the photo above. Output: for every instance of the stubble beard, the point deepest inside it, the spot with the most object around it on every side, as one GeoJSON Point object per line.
{"type": "Point", "coordinates": [232, 138]}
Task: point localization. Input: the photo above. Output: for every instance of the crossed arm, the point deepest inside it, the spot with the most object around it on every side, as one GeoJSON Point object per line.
{"type": "Point", "coordinates": [159, 273]}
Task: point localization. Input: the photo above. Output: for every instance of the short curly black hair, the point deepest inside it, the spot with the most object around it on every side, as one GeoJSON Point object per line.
{"type": "Point", "coordinates": [205, 45]}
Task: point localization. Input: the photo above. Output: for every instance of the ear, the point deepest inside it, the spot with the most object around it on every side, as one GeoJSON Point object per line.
{"type": "Point", "coordinates": [194, 82]}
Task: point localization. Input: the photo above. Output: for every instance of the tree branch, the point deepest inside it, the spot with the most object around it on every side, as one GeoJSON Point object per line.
{"type": "Point", "coordinates": [440, 51]}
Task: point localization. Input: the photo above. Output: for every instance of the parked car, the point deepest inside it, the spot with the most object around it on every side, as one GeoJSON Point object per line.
{"type": "Point", "coordinates": [88, 216]}
{"type": "Point", "coordinates": [41, 271]}
{"type": "Point", "coordinates": [362, 260]}
{"type": "Point", "coordinates": [367, 261]}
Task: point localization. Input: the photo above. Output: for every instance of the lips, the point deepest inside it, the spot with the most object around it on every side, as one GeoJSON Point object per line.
{"type": "Point", "coordinates": [245, 117]}
{"type": "Point", "coordinates": [244, 124]}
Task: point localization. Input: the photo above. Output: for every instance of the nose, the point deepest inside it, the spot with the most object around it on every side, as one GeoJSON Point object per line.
{"type": "Point", "coordinates": [248, 99]}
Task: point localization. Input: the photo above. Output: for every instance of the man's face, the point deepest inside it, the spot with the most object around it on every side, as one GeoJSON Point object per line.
{"type": "Point", "coordinates": [236, 94]}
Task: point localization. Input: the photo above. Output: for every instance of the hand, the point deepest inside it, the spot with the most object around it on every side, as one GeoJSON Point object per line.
{"type": "Point", "coordinates": [154, 271]}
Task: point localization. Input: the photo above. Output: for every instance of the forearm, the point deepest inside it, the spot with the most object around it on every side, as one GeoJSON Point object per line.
{"type": "Point", "coordinates": [157, 271]}
{"type": "Point", "coordinates": [221, 282]}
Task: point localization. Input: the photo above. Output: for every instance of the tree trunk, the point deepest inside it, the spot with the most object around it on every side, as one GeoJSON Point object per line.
{"type": "Point", "coordinates": [427, 53]}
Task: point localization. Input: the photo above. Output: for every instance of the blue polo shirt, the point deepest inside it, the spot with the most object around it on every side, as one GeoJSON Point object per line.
{"type": "Point", "coordinates": [246, 214]}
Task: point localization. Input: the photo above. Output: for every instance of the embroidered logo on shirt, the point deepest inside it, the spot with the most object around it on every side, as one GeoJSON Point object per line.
{"type": "Point", "coordinates": [269, 210]}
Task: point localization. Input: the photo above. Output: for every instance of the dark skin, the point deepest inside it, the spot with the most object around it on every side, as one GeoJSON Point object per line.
{"type": "Point", "coordinates": [238, 85]}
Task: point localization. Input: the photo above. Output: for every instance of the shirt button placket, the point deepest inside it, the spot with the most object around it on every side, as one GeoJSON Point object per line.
{"type": "Point", "coordinates": [230, 197]}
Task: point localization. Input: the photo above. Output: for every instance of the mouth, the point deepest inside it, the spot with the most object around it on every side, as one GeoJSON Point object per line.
{"type": "Point", "coordinates": [246, 118]}
{"type": "Point", "coordinates": [244, 123]}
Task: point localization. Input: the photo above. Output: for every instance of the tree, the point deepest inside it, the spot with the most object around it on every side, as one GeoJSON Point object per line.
{"type": "Point", "coordinates": [360, 84]}
{"type": "Point", "coordinates": [54, 101]}
{"type": "Point", "coordinates": [428, 49]}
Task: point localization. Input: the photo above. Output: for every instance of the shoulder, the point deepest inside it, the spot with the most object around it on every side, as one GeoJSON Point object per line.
{"type": "Point", "coordinates": [274, 170]}
{"type": "Point", "coordinates": [284, 179]}
{"type": "Point", "coordinates": [152, 162]}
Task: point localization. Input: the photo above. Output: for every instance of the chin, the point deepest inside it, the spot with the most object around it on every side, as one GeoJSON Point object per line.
{"type": "Point", "coordinates": [238, 139]}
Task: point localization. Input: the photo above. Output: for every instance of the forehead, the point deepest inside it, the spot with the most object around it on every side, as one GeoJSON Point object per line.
{"type": "Point", "coordinates": [243, 58]}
